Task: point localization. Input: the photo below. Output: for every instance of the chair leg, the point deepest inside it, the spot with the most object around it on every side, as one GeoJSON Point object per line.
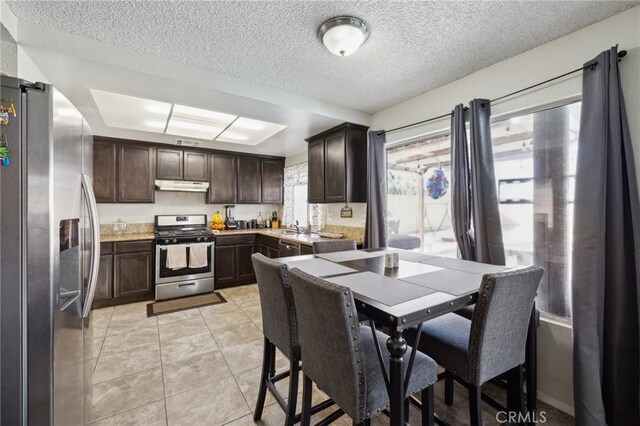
{"type": "Point", "coordinates": [475, 405]}
{"type": "Point", "coordinates": [272, 366]}
{"type": "Point", "coordinates": [515, 396]}
{"type": "Point", "coordinates": [306, 401]}
{"type": "Point", "coordinates": [262, 391]}
{"type": "Point", "coordinates": [531, 363]}
{"type": "Point", "coordinates": [294, 370]}
{"type": "Point", "coordinates": [448, 388]}
{"type": "Point", "coordinates": [427, 406]}
{"type": "Point", "coordinates": [366, 422]}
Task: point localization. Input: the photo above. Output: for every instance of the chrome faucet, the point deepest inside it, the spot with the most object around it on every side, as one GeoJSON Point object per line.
{"type": "Point", "coordinates": [297, 226]}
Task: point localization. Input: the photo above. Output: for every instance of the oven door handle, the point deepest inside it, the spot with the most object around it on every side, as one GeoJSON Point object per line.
{"type": "Point", "coordinates": [185, 244]}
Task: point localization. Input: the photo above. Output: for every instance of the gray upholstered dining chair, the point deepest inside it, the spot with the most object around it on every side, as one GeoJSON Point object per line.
{"type": "Point", "coordinates": [491, 343]}
{"type": "Point", "coordinates": [280, 329]}
{"type": "Point", "coordinates": [333, 245]}
{"type": "Point", "coordinates": [340, 355]}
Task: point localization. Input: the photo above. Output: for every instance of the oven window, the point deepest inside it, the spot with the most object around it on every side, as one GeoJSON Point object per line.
{"type": "Point", "coordinates": [166, 272]}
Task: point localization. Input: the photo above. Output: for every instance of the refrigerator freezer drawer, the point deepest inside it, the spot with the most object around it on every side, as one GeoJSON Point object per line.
{"type": "Point", "coordinates": [183, 288]}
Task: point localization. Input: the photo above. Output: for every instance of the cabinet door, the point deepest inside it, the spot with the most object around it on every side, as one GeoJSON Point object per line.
{"type": "Point", "coordinates": [104, 286]}
{"type": "Point", "coordinates": [169, 164]}
{"type": "Point", "coordinates": [306, 249]}
{"type": "Point", "coordinates": [225, 265]}
{"type": "Point", "coordinates": [249, 180]}
{"type": "Point", "coordinates": [223, 178]}
{"type": "Point", "coordinates": [133, 274]}
{"type": "Point", "coordinates": [195, 166]}
{"type": "Point", "coordinates": [104, 171]}
{"type": "Point", "coordinates": [136, 174]}
{"type": "Point", "coordinates": [244, 270]}
{"type": "Point", "coordinates": [315, 190]}
{"type": "Point", "coordinates": [272, 253]}
{"type": "Point", "coordinates": [334, 167]}
{"type": "Point", "coordinates": [272, 181]}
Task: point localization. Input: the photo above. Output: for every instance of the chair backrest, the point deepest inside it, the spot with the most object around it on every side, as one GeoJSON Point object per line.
{"type": "Point", "coordinates": [500, 322]}
{"type": "Point", "coordinates": [332, 350]}
{"type": "Point", "coordinates": [279, 323]}
{"type": "Point", "coordinates": [333, 246]}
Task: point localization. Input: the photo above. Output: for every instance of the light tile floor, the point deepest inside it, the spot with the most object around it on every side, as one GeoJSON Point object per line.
{"type": "Point", "coordinates": [202, 367]}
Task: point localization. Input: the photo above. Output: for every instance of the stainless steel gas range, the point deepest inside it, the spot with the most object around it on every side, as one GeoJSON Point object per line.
{"type": "Point", "coordinates": [179, 240]}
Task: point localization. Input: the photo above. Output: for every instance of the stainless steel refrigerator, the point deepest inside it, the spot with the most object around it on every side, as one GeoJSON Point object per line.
{"type": "Point", "coordinates": [50, 248]}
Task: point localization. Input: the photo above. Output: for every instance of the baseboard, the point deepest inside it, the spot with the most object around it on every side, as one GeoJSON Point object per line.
{"type": "Point", "coordinates": [565, 408]}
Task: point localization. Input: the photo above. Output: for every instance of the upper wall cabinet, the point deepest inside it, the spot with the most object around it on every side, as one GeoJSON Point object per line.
{"type": "Point", "coordinates": [176, 164]}
{"type": "Point", "coordinates": [136, 173]}
{"type": "Point", "coordinates": [195, 166]}
{"type": "Point", "coordinates": [223, 182]}
{"type": "Point", "coordinates": [272, 181]}
{"type": "Point", "coordinates": [123, 172]}
{"type": "Point", "coordinates": [249, 180]}
{"type": "Point", "coordinates": [104, 170]}
{"type": "Point", "coordinates": [338, 165]}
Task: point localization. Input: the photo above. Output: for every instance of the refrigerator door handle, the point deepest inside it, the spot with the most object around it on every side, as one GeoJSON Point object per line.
{"type": "Point", "coordinates": [95, 252]}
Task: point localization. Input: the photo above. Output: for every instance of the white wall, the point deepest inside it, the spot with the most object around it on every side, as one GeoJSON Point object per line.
{"type": "Point", "coordinates": [177, 203]}
{"type": "Point", "coordinates": [554, 58]}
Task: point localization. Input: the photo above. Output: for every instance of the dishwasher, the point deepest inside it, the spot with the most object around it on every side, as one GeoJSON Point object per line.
{"type": "Point", "coordinates": [288, 249]}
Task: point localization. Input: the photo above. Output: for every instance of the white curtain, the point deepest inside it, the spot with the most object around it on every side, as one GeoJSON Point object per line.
{"type": "Point", "coordinates": [297, 175]}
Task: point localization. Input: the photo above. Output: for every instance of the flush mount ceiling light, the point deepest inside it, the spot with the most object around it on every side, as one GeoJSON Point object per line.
{"type": "Point", "coordinates": [343, 35]}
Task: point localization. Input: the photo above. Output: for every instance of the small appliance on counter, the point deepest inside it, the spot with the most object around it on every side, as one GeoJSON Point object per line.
{"type": "Point", "coordinates": [229, 221]}
{"type": "Point", "coordinates": [242, 224]}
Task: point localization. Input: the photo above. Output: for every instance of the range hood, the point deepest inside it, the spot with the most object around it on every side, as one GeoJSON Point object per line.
{"type": "Point", "coordinates": [181, 185]}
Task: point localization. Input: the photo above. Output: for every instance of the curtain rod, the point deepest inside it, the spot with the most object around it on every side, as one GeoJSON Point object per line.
{"type": "Point", "coordinates": [621, 54]}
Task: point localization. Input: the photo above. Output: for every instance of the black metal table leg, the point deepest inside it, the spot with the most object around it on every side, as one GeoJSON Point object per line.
{"type": "Point", "coordinates": [531, 363]}
{"type": "Point", "coordinates": [397, 347]}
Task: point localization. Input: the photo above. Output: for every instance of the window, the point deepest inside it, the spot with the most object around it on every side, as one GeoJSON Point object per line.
{"type": "Point", "coordinates": [418, 175]}
{"type": "Point", "coordinates": [535, 163]}
{"type": "Point", "coordinates": [295, 199]}
{"type": "Point", "coordinates": [300, 206]}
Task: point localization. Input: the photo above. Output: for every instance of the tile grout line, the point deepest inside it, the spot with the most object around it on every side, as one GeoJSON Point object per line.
{"type": "Point", "coordinates": [229, 367]}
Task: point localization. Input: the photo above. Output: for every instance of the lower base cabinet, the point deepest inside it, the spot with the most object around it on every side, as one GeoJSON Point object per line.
{"type": "Point", "coordinates": [126, 273]}
{"type": "Point", "coordinates": [232, 260]}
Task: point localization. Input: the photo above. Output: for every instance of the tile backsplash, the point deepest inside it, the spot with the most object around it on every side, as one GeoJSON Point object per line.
{"type": "Point", "coordinates": [332, 215]}
{"type": "Point", "coordinates": [177, 203]}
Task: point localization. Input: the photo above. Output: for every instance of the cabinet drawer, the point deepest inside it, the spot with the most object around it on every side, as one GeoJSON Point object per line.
{"type": "Point", "coordinates": [269, 241]}
{"type": "Point", "coordinates": [231, 240]}
{"type": "Point", "coordinates": [133, 246]}
{"type": "Point", "coordinates": [106, 248]}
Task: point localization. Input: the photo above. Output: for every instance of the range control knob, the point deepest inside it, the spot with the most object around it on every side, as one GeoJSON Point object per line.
{"type": "Point", "coordinates": [175, 241]}
{"type": "Point", "coordinates": [166, 241]}
{"type": "Point", "coordinates": [199, 239]}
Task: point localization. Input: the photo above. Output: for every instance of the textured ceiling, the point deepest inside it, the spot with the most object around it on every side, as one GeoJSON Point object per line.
{"type": "Point", "coordinates": [413, 47]}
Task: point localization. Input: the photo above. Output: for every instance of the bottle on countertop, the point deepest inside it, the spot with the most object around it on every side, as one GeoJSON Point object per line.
{"type": "Point", "coordinates": [260, 220]}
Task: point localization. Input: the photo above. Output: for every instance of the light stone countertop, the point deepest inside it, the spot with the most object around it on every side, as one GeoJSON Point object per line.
{"type": "Point", "coordinates": [304, 239]}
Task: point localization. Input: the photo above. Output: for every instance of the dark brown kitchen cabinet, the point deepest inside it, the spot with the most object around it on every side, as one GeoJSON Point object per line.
{"type": "Point", "coordinates": [176, 164]}
{"type": "Point", "coordinates": [269, 246]}
{"type": "Point", "coordinates": [272, 181]}
{"type": "Point", "coordinates": [136, 173]}
{"type": "Point", "coordinates": [225, 266]}
{"type": "Point", "coordinates": [249, 180]}
{"type": "Point", "coordinates": [170, 164]}
{"type": "Point", "coordinates": [132, 274]}
{"type": "Point", "coordinates": [126, 273]}
{"type": "Point", "coordinates": [315, 171]}
{"type": "Point", "coordinates": [104, 286]}
{"type": "Point", "coordinates": [223, 178]}
{"type": "Point", "coordinates": [232, 260]}
{"type": "Point", "coordinates": [304, 249]}
{"type": "Point", "coordinates": [195, 166]}
{"type": "Point", "coordinates": [337, 165]}
{"type": "Point", "coordinates": [104, 171]}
